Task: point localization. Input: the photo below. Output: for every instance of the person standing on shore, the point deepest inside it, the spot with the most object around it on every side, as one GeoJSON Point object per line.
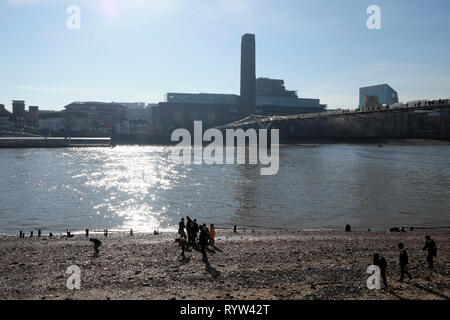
{"type": "Point", "coordinates": [212, 234]}
{"type": "Point", "coordinates": [403, 259]}
{"type": "Point", "coordinates": [182, 242]}
{"type": "Point", "coordinates": [196, 230]}
{"type": "Point", "coordinates": [181, 229]}
{"type": "Point", "coordinates": [430, 244]}
{"type": "Point", "coordinates": [189, 227]}
{"type": "Point", "coordinates": [203, 239]}
{"type": "Point", "coordinates": [208, 236]}
{"type": "Point", "coordinates": [382, 264]}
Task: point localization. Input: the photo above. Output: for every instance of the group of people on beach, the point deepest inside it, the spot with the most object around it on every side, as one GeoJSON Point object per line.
{"type": "Point", "coordinates": [430, 246]}
{"type": "Point", "coordinates": [195, 234]}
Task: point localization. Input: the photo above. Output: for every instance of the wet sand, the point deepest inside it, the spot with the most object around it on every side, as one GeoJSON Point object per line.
{"type": "Point", "coordinates": [261, 265]}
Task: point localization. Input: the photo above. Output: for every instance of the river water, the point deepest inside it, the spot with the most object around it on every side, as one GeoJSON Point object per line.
{"type": "Point", "coordinates": [142, 188]}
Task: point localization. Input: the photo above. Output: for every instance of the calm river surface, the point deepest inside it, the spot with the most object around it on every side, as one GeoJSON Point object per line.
{"type": "Point", "coordinates": [318, 186]}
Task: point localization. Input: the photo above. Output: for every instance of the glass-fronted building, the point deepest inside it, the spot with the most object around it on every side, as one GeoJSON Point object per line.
{"type": "Point", "coordinates": [385, 94]}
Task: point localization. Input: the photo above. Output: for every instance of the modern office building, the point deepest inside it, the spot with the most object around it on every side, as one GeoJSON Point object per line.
{"type": "Point", "coordinates": [32, 117]}
{"type": "Point", "coordinates": [266, 87]}
{"type": "Point", "coordinates": [371, 102]}
{"type": "Point", "coordinates": [248, 75]}
{"type": "Point", "coordinates": [18, 114]}
{"type": "Point", "coordinates": [272, 98]}
{"type": "Point", "coordinates": [106, 118]}
{"type": "Point", "coordinates": [385, 94]}
{"type": "Point", "coordinates": [262, 96]}
{"type": "Point", "coordinates": [5, 119]}
{"type": "Point", "coordinates": [52, 123]}
{"type": "Point", "coordinates": [181, 110]}
{"type": "Point", "coordinates": [135, 110]}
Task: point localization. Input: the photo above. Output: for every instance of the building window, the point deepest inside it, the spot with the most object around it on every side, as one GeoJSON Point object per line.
{"type": "Point", "coordinates": [195, 115]}
{"type": "Point", "coordinates": [211, 117]}
{"type": "Point", "coordinates": [178, 117]}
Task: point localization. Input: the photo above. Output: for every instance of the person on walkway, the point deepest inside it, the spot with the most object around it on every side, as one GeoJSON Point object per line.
{"type": "Point", "coordinates": [403, 259]}
{"type": "Point", "coordinates": [212, 234]}
{"type": "Point", "coordinates": [382, 264]}
{"type": "Point", "coordinates": [430, 244]}
{"type": "Point", "coordinates": [181, 227]}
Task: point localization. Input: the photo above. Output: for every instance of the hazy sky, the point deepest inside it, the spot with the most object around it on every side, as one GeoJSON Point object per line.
{"type": "Point", "coordinates": [137, 50]}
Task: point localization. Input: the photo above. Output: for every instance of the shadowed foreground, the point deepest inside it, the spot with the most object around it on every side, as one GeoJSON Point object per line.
{"type": "Point", "coordinates": [260, 265]}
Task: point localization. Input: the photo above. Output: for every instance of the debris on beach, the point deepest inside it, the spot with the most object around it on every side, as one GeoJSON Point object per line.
{"type": "Point", "coordinates": [397, 229]}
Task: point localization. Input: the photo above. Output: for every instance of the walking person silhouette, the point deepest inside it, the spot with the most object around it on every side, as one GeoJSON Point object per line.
{"type": "Point", "coordinates": [430, 244]}
{"type": "Point", "coordinates": [403, 259]}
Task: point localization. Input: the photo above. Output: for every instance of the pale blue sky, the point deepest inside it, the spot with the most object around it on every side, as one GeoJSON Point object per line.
{"type": "Point", "coordinates": [137, 50]}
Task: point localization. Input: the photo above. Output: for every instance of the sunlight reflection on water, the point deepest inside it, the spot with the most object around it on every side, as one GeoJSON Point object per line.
{"type": "Point", "coordinates": [142, 188]}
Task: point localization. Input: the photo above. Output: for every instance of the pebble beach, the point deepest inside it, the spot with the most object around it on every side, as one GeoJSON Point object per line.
{"type": "Point", "coordinates": [247, 265]}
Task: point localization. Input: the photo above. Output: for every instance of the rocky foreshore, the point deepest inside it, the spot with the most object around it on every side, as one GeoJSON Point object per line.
{"type": "Point", "coordinates": [244, 265]}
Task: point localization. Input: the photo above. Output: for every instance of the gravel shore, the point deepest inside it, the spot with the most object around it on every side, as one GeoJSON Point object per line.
{"type": "Point", "coordinates": [246, 265]}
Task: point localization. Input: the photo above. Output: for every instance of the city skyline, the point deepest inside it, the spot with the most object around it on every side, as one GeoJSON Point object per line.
{"type": "Point", "coordinates": [130, 50]}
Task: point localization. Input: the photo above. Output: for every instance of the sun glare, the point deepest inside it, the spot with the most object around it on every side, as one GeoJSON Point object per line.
{"type": "Point", "coordinates": [110, 8]}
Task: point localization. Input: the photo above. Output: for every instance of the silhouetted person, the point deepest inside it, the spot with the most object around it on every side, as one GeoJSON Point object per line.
{"type": "Point", "coordinates": [182, 242]}
{"type": "Point", "coordinates": [430, 244]}
{"type": "Point", "coordinates": [207, 232]}
{"type": "Point", "coordinates": [203, 241]}
{"type": "Point", "coordinates": [196, 230]}
{"type": "Point", "coordinates": [181, 229]}
{"type": "Point", "coordinates": [212, 234]}
{"type": "Point", "coordinates": [403, 259]}
{"type": "Point", "coordinates": [97, 244]}
{"type": "Point", "coordinates": [189, 229]}
{"type": "Point", "coordinates": [382, 264]}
